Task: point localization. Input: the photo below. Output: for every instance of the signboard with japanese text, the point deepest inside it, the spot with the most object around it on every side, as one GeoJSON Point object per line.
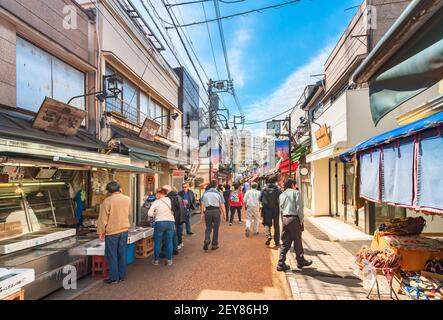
{"type": "Point", "coordinates": [56, 116]}
{"type": "Point", "coordinates": [149, 129]}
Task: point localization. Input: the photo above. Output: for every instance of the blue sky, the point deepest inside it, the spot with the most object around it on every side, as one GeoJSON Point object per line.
{"type": "Point", "coordinates": [271, 54]}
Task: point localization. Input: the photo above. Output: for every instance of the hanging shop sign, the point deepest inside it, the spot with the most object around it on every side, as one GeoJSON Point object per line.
{"type": "Point", "coordinates": [273, 128]}
{"type": "Point", "coordinates": [149, 129]}
{"type": "Point", "coordinates": [56, 116]}
{"type": "Point", "coordinates": [322, 136]}
{"type": "Point", "coordinates": [178, 173]}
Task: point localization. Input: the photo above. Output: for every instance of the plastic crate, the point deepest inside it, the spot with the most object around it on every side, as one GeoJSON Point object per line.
{"type": "Point", "coordinates": [130, 253]}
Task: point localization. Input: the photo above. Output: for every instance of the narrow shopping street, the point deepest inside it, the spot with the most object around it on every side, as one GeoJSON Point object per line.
{"type": "Point", "coordinates": [242, 268]}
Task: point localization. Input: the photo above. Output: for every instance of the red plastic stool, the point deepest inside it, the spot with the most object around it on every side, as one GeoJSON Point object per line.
{"type": "Point", "coordinates": [99, 266]}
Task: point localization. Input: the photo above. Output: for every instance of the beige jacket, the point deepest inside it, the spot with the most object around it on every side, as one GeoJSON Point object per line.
{"type": "Point", "coordinates": [114, 214]}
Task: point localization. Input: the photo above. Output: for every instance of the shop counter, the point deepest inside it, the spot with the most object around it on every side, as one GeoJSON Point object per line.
{"type": "Point", "coordinates": [414, 250]}
{"type": "Point", "coordinates": [13, 280]}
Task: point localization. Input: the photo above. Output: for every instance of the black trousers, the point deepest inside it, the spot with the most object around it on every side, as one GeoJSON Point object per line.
{"type": "Point", "coordinates": [291, 233]}
{"type": "Point", "coordinates": [233, 209]}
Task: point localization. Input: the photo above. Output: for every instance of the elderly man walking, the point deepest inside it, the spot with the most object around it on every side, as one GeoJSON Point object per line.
{"type": "Point", "coordinates": [292, 223]}
{"type": "Point", "coordinates": [212, 206]}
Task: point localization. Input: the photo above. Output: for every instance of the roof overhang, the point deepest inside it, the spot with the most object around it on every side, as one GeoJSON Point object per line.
{"type": "Point", "coordinates": [405, 27]}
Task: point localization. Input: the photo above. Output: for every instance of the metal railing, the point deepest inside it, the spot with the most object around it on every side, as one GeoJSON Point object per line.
{"type": "Point", "coordinates": [137, 117]}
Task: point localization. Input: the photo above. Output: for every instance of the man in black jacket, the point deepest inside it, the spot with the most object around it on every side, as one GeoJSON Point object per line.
{"type": "Point", "coordinates": [190, 205]}
{"type": "Point", "coordinates": [270, 210]}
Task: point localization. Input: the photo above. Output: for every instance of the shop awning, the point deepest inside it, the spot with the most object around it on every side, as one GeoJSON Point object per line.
{"type": "Point", "coordinates": [173, 161]}
{"type": "Point", "coordinates": [284, 166]}
{"type": "Point", "coordinates": [142, 154]}
{"type": "Point", "coordinates": [16, 125]}
{"type": "Point", "coordinates": [387, 137]}
{"type": "Point", "coordinates": [414, 47]}
{"type": "Point", "coordinates": [299, 152]}
{"type": "Point", "coordinates": [103, 164]}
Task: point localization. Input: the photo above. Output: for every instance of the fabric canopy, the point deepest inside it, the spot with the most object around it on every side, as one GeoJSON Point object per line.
{"type": "Point", "coordinates": [284, 166]}
{"type": "Point", "coordinates": [299, 152]}
{"type": "Point", "coordinates": [403, 131]}
{"type": "Point", "coordinates": [417, 66]}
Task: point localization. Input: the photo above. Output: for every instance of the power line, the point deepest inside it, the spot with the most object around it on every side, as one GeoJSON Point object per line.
{"type": "Point", "coordinates": [258, 10]}
{"type": "Point", "coordinates": [277, 115]}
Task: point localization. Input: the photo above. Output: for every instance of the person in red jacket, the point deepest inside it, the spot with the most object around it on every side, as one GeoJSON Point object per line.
{"type": "Point", "coordinates": [236, 203]}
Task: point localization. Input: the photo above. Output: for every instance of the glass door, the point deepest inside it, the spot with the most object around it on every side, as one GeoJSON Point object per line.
{"type": "Point", "coordinates": [333, 188]}
{"type": "Point", "coordinates": [341, 191]}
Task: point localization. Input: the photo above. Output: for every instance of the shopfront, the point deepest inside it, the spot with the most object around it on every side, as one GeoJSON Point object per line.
{"type": "Point", "coordinates": [399, 173]}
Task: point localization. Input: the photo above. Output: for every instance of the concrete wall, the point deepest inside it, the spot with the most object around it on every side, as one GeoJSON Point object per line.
{"type": "Point", "coordinates": [335, 118]}
{"type": "Point", "coordinates": [347, 49]}
{"type": "Point", "coordinates": [46, 16]}
{"type": "Point", "coordinates": [7, 63]}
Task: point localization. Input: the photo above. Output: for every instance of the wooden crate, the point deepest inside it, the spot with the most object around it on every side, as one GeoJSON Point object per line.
{"type": "Point", "coordinates": [144, 248]}
{"type": "Point", "coordinates": [18, 295]}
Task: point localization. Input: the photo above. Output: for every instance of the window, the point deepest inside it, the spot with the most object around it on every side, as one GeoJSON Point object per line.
{"type": "Point", "coordinates": [41, 75]}
{"type": "Point", "coordinates": [136, 105]}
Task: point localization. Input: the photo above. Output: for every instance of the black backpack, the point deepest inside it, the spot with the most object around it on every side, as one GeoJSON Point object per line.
{"type": "Point", "coordinates": [177, 208]}
{"type": "Point", "coordinates": [270, 197]}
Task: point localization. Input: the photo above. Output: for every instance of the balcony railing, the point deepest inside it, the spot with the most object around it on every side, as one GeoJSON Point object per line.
{"type": "Point", "coordinates": [137, 117]}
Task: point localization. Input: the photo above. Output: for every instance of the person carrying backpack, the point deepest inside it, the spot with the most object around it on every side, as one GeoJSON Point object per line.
{"type": "Point", "coordinates": [270, 210]}
{"type": "Point", "coordinates": [236, 203]}
{"type": "Point", "coordinates": [179, 215]}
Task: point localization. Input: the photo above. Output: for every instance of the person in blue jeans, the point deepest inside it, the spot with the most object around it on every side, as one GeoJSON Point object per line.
{"type": "Point", "coordinates": [164, 224]}
{"type": "Point", "coordinates": [112, 227]}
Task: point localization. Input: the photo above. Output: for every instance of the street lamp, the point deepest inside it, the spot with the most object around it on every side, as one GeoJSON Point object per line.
{"type": "Point", "coordinates": [174, 116]}
{"type": "Point", "coordinates": [110, 84]}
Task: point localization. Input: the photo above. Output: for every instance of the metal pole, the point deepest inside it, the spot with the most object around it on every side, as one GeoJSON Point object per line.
{"type": "Point", "coordinates": [210, 129]}
{"type": "Point", "coordinates": [289, 136]}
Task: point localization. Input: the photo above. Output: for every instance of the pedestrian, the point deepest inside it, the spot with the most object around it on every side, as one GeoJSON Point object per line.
{"type": "Point", "coordinates": [179, 214]}
{"type": "Point", "coordinates": [252, 204]}
{"type": "Point", "coordinates": [189, 204]}
{"type": "Point", "coordinates": [212, 207]}
{"type": "Point", "coordinates": [292, 226]}
{"type": "Point", "coordinates": [112, 227]}
{"type": "Point", "coordinates": [270, 211]}
{"type": "Point", "coordinates": [164, 221]}
{"type": "Point", "coordinates": [226, 195]}
{"type": "Point", "coordinates": [236, 203]}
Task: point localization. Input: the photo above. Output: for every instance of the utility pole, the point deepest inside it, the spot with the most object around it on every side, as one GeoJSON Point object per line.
{"type": "Point", "coordinates": [210, 109]}
{"type": "Point", "coordinates": [289, 136]}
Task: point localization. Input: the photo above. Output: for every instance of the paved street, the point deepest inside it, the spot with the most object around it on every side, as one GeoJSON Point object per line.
{"type": "Point", "coordinates": [242, 269]}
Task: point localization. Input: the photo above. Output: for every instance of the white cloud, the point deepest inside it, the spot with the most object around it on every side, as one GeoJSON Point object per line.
{"type": "Point", "coordinates": [290, 90]}
{"type": "Point", "coordinates": [242, 38]}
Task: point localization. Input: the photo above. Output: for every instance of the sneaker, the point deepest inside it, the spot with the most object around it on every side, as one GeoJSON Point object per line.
{"type": "Point", "coordinates": [121, 280]}
{"type": "Point", "coordinates": [247, 233]}
{"type": "Point", "coordinates": [169, 263]}
{"type": "Point", "coordinates": [268, 242]}
{"type": "Point", "coordinates": [283, 267]}
{"type": "Point", "coordinates": [230, 223]}
{"type": "Point", "coordinates": [109, 281]}
{"type": "Point", "coordinates": [240, 222]}
{"type": "Point", "coordinates": [205, 246]}
{"type": "Point", "coordinates": [304, 263]}
{"type": "Point", "coordinates": [155, 262]}
{"type": "Point", "coordinates": [175, 252]}
{"type": "Point", "coordinates": [179, 246]}
{"type": "Point", "coordinates": [191, 234]}
{"type": "Point", "coordinates": [215, 247]}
